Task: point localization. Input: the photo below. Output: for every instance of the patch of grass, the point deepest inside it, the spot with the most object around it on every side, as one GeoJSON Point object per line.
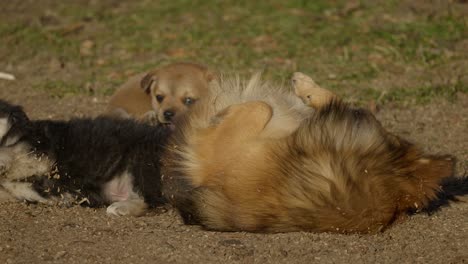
{"type": "Point", "coordinates": [60, 89]}
{"type": "Point", "coordinates": [421, 40]}
{"type": "Point", "coordinates": [29, 40]}
{"type": "Point", "coordinates": [322, 38]}
{"type": "Point", "coordinates": [419, 95]}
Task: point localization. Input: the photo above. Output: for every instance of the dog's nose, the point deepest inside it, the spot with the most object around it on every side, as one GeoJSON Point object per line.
{"type": "Point", "coordinates": [168, 115]}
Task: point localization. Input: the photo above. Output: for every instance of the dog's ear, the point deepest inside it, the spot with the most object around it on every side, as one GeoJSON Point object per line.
{"type": "Point", "coordinates": [13, 126]}
{"type": "Point", "coordinates": [19, 116]}
{"type": "Point", "coordinates": [148, 80]}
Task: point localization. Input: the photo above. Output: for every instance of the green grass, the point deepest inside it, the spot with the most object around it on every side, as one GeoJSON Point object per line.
{"type": "Point", "coordinates": [316, 37]}
{"type": "Point", "coordinates": [60, 89]}
{"type": "Point", "coordinates": [419, 95]}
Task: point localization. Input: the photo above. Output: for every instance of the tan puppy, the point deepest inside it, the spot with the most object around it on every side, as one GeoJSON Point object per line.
{"type": "Point", "coordinates": [161, 94]}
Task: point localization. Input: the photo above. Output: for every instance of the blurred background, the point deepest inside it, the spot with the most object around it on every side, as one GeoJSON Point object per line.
{"type": "Point", "coordinates": [371, 50]}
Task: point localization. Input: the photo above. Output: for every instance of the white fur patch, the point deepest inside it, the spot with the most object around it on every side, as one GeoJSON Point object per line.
{"type": "Point", "coordinates": [4, 126]}
{"type": "Point", "coordinates": [12, 140]}
{"type": "Point", "coordinates": [23, 191]}
{"type": "Point", "coordinates": [288, 109]}
{"type": "Point", "coordinates": [25, 164]}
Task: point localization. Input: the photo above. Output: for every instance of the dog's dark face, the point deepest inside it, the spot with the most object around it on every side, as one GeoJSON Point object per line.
{"type": "Point", "coordinates": [13, 123]}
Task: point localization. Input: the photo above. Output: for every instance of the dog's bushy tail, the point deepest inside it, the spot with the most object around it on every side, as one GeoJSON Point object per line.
{"type": "Point", "coordinates": [372, 177]}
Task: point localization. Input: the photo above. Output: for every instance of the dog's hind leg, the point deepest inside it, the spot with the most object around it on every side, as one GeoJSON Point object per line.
{"type": "Point", "coordinates": [124, 200]}
{"type": "Point", "coordinates": [242, 121]}
{"type": "Point", "coordinates": [310, 92]}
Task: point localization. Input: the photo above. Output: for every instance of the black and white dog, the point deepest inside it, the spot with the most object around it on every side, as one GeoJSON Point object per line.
{"type": "Point", "coordinates": [100, 161]}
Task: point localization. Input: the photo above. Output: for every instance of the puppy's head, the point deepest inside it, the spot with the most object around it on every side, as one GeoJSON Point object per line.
{"type": "Point", "coordinates": [13, 123]}
{"type": "Point", "coordinates": [175, 88]}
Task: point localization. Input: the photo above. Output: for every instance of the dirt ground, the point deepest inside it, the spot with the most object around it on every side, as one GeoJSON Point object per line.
{"type": "Point", "coordinates": [45, 234]}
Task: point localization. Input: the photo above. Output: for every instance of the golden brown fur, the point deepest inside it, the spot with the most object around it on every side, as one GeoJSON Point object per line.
{"type": "Point", "coordinates": [130, 100]}
{"type": "Point", "coordinates": [177, 85]}
{"type": "Point", "coordinates": [252, 157]}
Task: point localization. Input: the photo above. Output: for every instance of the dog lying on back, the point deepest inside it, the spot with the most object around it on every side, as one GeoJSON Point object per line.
{"type": "Point", "coordinates": [162, 94]}
{"type": "Point", "coordinates": [255, 158]}
{"type": "Point", "coordinates": [100, 161]}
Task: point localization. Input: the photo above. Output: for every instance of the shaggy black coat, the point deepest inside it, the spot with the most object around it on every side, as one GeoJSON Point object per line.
{"type": "Point", "coordinates": [90, 152]}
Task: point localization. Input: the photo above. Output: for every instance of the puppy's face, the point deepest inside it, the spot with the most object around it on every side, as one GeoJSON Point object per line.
{"type": "Point", "coordinates": [13, 123]}
{"type": "Point", "coordinates": [171, 98]}
{"type": "Point", "coordinates": [174, 89]}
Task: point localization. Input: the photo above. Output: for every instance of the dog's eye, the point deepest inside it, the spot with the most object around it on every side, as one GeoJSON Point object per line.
{"type": "Point", "coordinates": [189, 100]}
{"type": "Point", "coordinates": [159, 98]}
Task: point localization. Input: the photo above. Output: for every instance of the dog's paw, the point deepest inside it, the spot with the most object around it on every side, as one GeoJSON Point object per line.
{"type": "Point", "coordinates": [310, 92]}
{"type": "Point", "coordinates": [150, 117]}
{"type": "Point", "coordinates": [22, 191]}
{"type": "Point", "coordinates": [304, 86]}
{"type": "Point", "coordinates": [5, 161]}
{"type": "Point", "coordinates": [128, 207]}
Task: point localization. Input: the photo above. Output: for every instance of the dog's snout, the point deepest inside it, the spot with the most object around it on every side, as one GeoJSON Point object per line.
{"type": "Point", "coordinates": [168, 115]}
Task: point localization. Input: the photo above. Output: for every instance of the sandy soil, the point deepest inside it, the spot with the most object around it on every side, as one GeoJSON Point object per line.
{"type": "Point", "coordinates": [44, 234]}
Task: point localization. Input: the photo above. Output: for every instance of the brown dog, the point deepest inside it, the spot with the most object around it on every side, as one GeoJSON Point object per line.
{"type": "Point", "coordinates": [162, 94]}
{"type": "Point", "coordinates": [254, 158]}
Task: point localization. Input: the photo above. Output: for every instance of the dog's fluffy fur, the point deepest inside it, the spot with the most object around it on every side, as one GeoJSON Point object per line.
{"type": "Point", "coordinates": [100, 161]}
{"type": "Point", "coordinates": [161, 94]}
{"type": "Point", "coordinates": [253, 157]}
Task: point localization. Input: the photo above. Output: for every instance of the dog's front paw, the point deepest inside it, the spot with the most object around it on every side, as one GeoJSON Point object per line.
{"type": "Point", "coordinates": [128, 207]}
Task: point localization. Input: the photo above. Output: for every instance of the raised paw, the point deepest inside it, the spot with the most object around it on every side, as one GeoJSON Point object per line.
{"type": "Point", "coordinates": [310, 92]}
